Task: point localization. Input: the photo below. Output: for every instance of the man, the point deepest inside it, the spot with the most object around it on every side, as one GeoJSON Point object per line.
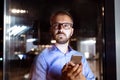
{"type": "Point", "coordinates": [54, 63]}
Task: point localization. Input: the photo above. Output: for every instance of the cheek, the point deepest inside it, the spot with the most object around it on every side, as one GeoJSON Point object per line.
{"type": "Point", "coordinates": [54, 33]}
{"type": "Point", "coordinates": [68, 34]}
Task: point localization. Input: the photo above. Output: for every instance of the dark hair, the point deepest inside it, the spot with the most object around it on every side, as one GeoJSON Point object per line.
{"type": "Point", "coordinates": [59, 12]}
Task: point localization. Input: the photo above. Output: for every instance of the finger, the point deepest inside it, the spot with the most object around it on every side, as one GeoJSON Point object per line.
{"type": "Point", "coordinates": [71, 72]}
{"type": "Point", "coordinates": [78, 71]}
{"type": "Point", "coordinates": [80, 63]}
{"type": "Point", "coordinates": [71, 63]}
{"type": "Point", "coordinates": [74, 69]}
{"type": "Point", "coordinates": [64, 67]}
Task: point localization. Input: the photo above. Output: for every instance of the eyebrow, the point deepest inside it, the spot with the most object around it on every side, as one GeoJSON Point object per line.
{"type": "Point", "coordinates": [63, 23]}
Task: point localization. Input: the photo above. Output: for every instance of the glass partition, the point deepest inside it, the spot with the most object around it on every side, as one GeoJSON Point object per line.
{"type": "Point", "coordinates": [26, 33]}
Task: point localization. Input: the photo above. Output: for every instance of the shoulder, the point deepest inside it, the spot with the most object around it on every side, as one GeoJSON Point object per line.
{"type": "Point", "coordinates": [40, 58]}
{"type": "Point", "coordinates": [45, 52]}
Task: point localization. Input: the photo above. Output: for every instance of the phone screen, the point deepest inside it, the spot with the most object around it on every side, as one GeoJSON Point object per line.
{"type": "Point", "coordinates": [76, 59]}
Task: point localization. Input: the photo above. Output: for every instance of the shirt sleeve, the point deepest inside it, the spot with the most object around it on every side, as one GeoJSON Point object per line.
{"type": "Point", "coordinates": [87, 72]}
{"type": "Point", "coordinates": [39, 69]}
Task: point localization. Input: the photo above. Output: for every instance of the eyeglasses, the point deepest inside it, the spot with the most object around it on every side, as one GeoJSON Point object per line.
{"type": "Point", "coordinates": [63, 25]}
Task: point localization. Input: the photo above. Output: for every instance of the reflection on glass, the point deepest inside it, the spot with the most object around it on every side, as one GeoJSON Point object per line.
{"type": "Point", "coordinates": [88, 46]}
{"type": "Point", "coordinates": [27, 33]}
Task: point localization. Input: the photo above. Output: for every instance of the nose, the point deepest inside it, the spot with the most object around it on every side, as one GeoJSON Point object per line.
{"type": "Point", "coordinates": [60, 26]}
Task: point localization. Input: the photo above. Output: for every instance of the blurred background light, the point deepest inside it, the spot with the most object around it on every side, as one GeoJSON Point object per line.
{"type": "Point", "coordinates": [31, 40]}
{"type": "Point", "coordinates": [86, 54]}
{"type": "Point", "coordinates": [89, 41]}
{"type": "Point", "coordinates": [1, 59]}
{"type": "Point", "coordinates": [7, 20]}
{"type": "Point", "coordinates": [18, 11]}
{"type": "Point", "coordinates": [53, 41]}
{"type": "Point", "coordinates": [20, 56]}
{"type": "Point", "coordinates": [17, 29]}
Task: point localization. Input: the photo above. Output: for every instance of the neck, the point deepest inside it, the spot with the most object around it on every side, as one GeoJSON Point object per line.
{"type": "Point", "coordinates": [62, 47]}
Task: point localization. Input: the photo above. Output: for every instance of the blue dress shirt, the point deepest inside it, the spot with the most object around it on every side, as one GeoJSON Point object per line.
{"type": "Point", "coordinates": [50, 61]}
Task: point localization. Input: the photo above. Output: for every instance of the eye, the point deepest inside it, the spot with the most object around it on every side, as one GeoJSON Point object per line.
{"type": "Point", "coordinates": [55, 26]}
{"type": "Point", "coordinates": [66, 25]}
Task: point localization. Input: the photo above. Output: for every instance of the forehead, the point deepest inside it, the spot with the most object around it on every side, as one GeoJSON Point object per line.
{"type": "Point", "coordinates": [62, 18]}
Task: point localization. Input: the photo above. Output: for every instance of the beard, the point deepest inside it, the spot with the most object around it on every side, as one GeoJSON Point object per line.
{"type": "Point", "coordinates": [61, 38]}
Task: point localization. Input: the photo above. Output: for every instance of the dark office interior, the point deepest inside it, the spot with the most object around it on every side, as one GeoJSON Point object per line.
{"type": "Point", "coordinates": [90, 21]}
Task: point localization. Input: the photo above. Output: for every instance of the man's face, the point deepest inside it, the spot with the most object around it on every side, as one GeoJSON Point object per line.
{"type": "Point", "coordinates": [62, 28]}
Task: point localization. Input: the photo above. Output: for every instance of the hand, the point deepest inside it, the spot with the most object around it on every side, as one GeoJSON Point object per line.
{"type": "Point", "coordinates": [72, 71]}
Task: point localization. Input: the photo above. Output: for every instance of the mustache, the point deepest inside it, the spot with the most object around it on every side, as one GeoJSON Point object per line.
{"type": "Point", "coordinates": [59, 32]}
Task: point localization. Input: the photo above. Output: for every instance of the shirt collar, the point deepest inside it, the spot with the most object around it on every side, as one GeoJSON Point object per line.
{"type": "Point", "coordinates": [55, 48]}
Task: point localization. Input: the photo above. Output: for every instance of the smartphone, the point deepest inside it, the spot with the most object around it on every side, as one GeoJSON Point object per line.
{"type": "Point", "coordinates": [76, 59]}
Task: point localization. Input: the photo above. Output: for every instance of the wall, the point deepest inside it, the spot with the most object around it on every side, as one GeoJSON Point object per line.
{"type": "Point", "coordinates": [117, 33]}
